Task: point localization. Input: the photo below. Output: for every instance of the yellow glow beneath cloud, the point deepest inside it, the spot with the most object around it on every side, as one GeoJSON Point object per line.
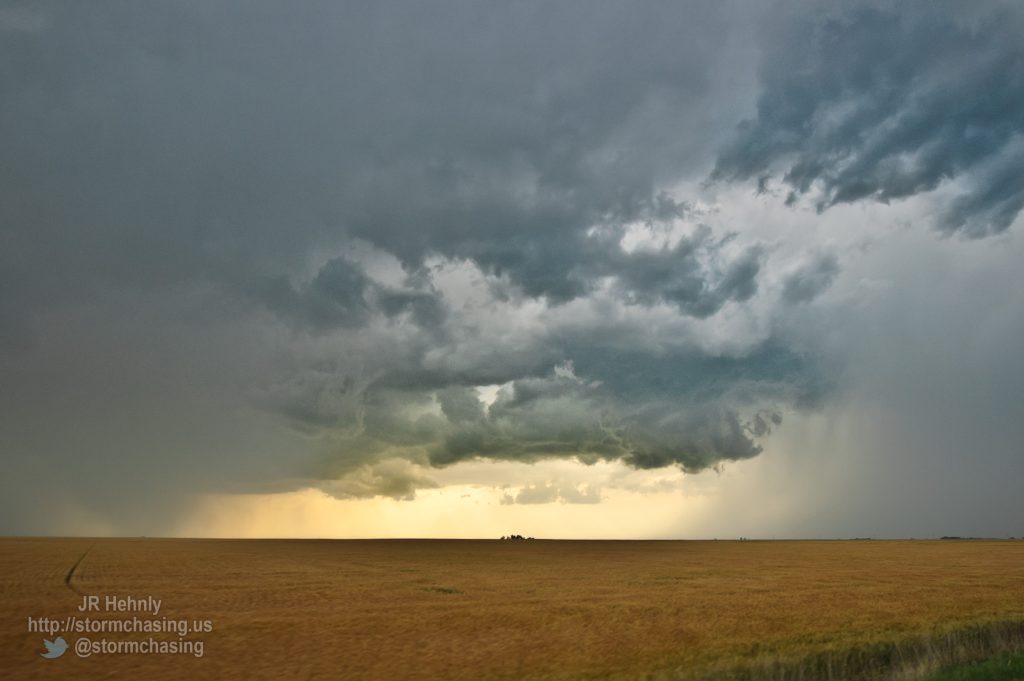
{"type": "Point", "coordinates": [459, 511]}
{"type": "Point", "coordinates": [753, 498]}
{"type": "Point", "coordinates": [472, 500]}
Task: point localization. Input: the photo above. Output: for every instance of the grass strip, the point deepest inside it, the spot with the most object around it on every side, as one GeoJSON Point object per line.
{"type": "Point", "coordinates": [911, 659]}
{"type": "Point", "coordinates": [1006, 667]}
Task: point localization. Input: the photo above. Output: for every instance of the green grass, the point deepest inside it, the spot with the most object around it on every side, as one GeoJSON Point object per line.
{"type": "Point", "coordinates": [1008, 667]}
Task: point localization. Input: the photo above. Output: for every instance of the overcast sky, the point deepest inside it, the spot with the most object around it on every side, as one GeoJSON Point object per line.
{"type": "Point", "coordinates": [466, 269]}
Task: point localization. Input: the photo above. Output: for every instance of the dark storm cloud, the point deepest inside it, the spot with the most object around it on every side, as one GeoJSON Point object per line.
{"type": "Point", "coordinates": [885, 101]}
{"type": "Point", "coordinates": [679, 276]}
{"type": "Point", "coordinates": [682, 408]}
{"type": "Point", "coordinates": [341, 294]}
{"type": "Point", "coordinates": [222, 141]}
{"type": "Point", "coordinates": [461, 405]}
{"type": "Point", "coordinates": [544, 419]}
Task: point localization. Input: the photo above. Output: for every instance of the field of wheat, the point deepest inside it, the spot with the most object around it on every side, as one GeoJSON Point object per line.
{"type": "Point", "coordinates": [514, 609]}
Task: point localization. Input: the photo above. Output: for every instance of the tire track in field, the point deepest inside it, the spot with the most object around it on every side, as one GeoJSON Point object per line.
{"type": "Point", "coordinates": [71, 572]}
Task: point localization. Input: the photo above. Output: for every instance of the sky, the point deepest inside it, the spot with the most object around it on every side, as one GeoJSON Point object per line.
{"type": "Point", "coordinates": [461, 269]}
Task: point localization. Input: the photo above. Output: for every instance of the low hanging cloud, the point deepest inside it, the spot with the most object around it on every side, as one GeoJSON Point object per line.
{"type": "Point", "coordinates": [549, 493]}
{"type": "Point", "coordinates": [591, 392]}
{"type": "Point", "coordinates": [684, 409]}
{"type": "Point", "coordinates": [392, 478]}
{"type": "Point", "coordinates": [873, 101]}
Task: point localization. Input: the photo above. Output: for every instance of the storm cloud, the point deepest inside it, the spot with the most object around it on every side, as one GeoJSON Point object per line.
{"type": "Point", "coordinates": [874, 101]}
{"type": "Point", "coordinates": [245, 246]}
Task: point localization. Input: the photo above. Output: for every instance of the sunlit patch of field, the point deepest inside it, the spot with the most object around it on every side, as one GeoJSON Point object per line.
{"type": "Point", "coordinates": [489, 609]}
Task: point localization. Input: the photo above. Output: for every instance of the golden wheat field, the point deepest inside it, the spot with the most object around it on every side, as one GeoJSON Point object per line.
{"type": "Point", "coordinates": [439, 609]}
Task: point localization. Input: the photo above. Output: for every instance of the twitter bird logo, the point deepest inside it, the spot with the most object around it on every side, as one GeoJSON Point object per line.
{"type": "Point", "coordinates": [54, 649]}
